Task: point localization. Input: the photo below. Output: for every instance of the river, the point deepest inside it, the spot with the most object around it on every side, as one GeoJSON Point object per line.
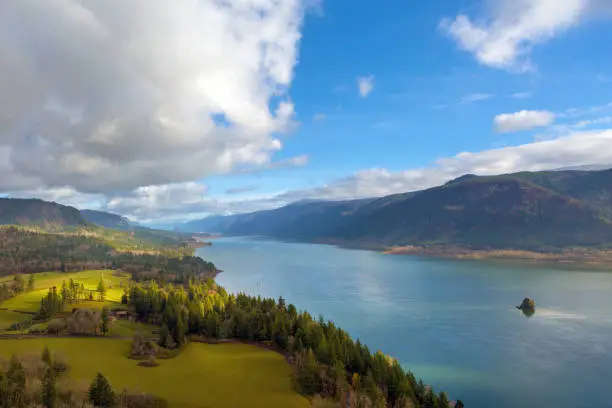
{"type": "Point", "coordinates": [453, 323]}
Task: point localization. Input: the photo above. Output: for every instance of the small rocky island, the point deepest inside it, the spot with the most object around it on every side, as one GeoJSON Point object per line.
{"type": "Point", "coordinates": [527, 307]}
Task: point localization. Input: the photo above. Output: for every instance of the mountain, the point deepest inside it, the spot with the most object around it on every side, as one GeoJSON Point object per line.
{"type": "Point", "coordinates": [105, 219]}
{"type": "Point", "coordinates": [303, 220]}
{"type": "Point", "coordinates": [536, 210]}
{"type": "Point", "coordinates": [35, 211]}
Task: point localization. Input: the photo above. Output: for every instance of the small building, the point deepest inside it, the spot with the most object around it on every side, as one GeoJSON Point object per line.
{"type": "Point", "coordinates": [122, 315]}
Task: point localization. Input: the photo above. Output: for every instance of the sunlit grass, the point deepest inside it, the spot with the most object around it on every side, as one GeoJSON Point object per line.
{"type": "Point", "coordinates": [30, 301]}
{"type": "Point", "coordinates": [203, 375]}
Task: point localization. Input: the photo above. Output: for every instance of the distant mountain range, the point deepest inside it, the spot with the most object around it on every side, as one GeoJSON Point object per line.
{"type": "Point", "coordinates": [528, 210]}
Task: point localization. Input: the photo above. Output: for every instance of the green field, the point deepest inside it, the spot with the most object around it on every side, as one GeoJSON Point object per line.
{"type": "Point", "coordinates": [202, 376]}
{"type": "Point", "coordinates": [7, 318]}
{"type": "Point", "coordinates": [31, 301]}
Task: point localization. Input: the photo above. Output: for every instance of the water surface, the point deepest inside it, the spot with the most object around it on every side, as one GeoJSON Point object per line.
{"type": "Point", "coordinates": [454, 323]}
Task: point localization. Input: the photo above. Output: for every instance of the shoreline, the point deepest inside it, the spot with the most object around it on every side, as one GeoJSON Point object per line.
{"type": "Point", "coordinates": [574, 256]}
{"type": "Point", "coordinates": [580, 256]}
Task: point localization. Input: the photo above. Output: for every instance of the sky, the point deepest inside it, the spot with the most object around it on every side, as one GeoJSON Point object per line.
{"type": "Point", "coordinates": [167, 111]}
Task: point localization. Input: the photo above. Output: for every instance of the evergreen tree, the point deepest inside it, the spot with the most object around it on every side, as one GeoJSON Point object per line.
{"type": "Point", "coordinates": [443, 400]}
{"type": "Point", "coordinates": [101, 289]}
{"type": "Point", "coordinates": [31, 282]}
{"type": "Point", "coordinates": [49, 392]}
{"type": "Point", "coordinates": [19, 284]}
{"type": "Point", "coordinates": [16, 382]}
{"type": "Point", "coordinates": [101, 393]}
{"type": "Point", "coordinates": [163, 335]}
{"type": "Point", "coordinates": [308, 374]}
{"type": "Point", "coordinates": [104, 321]}
{"type": "Point", "coordinates": [46, 356]}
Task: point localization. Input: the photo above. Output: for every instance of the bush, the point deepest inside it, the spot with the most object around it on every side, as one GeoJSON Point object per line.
{"type": "Point", "coordinates": [140, 400]}
{"type": "Point", "coordinates": [60, 364]}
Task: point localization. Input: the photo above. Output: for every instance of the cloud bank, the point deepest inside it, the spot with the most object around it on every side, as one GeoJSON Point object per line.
{"type": "Point", "coordinates": [108, 96]}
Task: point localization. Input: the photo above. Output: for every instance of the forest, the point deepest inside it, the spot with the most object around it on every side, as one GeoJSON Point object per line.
{"type": "Point", "coordinates": [29, 250]}
{"type": "Point", "coordinates": [325, 359]}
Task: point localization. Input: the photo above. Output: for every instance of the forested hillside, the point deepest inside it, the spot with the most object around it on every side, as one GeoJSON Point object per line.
{"type": "Point", "coordinates": [535, 211]}
{"type": "Point", "coordinates": [38, 212]}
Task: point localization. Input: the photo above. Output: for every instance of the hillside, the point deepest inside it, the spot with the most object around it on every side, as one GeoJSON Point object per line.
{"type": "Point", "coordinates": [38, 212]}
{"type": "Point", "coordinates": [535, 211]}
{"type": "Point", "coordinates": [105, 219]}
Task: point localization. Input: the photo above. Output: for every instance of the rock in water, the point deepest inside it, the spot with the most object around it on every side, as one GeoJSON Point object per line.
{"type": "Point", "coordinates": [527, 307]}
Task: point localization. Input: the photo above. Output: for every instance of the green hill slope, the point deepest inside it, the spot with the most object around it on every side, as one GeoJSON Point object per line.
{"type": "Point", "coordinates": [38, 212]}
{"type": "Point", "coordinates": [539, 210]}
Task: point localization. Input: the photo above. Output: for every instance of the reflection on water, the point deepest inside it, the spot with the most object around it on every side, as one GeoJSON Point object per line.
{"type": "Point", "coordinates": [452, 322]}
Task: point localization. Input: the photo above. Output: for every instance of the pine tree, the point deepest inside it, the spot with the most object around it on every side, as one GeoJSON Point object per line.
{"type": "Point", "coordinates": [308, 374]}
{"type": "Point", "coordinates": [16, 382]}
{"type": "Point", "coordinates": [101, 289]}
{"type": "Point", "coordinates": [101, 393]}
{"type": "Point", "coordinates": [46, 356]}
{"type": "Point", "coordinates": [163, 335]}
{"type": "Point", "coordinates": [49, 393]}
{"type": "Point", "coordinates": [31, 283]}
{"type": "Point", "coordinates": [443, 400]}
{"type": "Point", "coordinates": [104, 321]}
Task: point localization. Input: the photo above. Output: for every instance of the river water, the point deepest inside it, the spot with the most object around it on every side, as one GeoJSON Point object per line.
{"type": "Point", "coordinates": [453, 323]}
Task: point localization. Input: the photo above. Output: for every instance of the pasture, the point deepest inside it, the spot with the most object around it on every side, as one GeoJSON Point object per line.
{"type": "Point", "coordinates": [202, 376]}
{"type": "Point", "coordinates": [30, 301]}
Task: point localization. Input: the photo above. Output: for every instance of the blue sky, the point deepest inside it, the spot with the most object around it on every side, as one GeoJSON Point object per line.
{"type": "Point", "coordinates": [374, 100]}
{"type": "Point", "coordinates": [430, 98]}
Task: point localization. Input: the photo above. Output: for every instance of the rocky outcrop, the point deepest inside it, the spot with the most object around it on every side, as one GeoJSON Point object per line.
{"type": "Point", "coordinates": [527, 307]}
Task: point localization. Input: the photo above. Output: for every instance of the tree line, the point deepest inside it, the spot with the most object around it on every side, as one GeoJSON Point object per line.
{"type": "Point", "coordinates": [326, 360]}
{"type": "Point", "coordinates": [30, 250]}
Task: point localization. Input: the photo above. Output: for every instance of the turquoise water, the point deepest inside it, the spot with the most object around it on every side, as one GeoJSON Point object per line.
{"type": "Point", "coordinates": [454, 323]}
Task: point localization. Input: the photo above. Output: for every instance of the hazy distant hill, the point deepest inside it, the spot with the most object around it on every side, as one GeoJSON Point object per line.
{"type": "Point", "coordinates": [105, 219]}
{"type": "Point", "coordinates": [523, 210]}
{"type": "Point", "coordinates": [39, 212]}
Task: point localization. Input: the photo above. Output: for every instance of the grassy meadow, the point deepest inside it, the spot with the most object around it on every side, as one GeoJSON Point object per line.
{"type": "Point", "coordinates": [202, 376]}
{"type": "Point", "coordinates": [30, 301]}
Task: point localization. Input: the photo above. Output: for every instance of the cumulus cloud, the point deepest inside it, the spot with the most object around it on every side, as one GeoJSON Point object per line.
{"type": "Point", "coordinates": [183, 201]}
{"type": "Point", "coordinates": [106, 96]}
{"type": "Point", "coordinates": [179, 202]}
{"type": "Point", "coordinates": [576, 149]}
{"type": "Point", "coordinates": [365, 85]}
{"type": "Point", "coordinates": [508, 30]}
{"type": "Point", "coordinates": [523, 120]}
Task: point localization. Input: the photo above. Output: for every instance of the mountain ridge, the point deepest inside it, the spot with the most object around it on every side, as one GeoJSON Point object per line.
{"type": "Point", "coordinates": [525, 210]}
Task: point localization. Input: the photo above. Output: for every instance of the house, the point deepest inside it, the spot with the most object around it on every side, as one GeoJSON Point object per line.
{"type": "Point", "coordinates": [122, 314]}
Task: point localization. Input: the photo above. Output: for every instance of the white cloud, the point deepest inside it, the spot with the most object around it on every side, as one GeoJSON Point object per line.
{"type": "Point", "coordinates": [521, 95]}
{"type": "Point", "coordinates": [365, 85]}
{"type": "Point", "coordinates": [508, 30]}
{"type": "Point", "coordinates": [182, 201]}
{"type": "Point", "coordinates": [523, 120]}
{"type": "Point", "coordinates": [475, 97]}
{"type": "Point", "coordinates": [576, 149]}
{"type": "Point", "coordinates": [319, 117]}
{"type": "Point", "coordinates": [107, 96]}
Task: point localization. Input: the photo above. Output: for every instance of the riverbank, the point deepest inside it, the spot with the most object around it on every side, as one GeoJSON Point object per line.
{"type": "Point", "coordinates": [579, 256]}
